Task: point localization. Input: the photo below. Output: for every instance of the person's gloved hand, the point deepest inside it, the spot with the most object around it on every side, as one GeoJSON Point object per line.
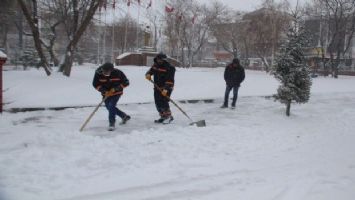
{"type": "Point", "coordinates": [118, 89]}
{"type": "Point", "coordinates": [148, 77]}
{"type": "Point", "coordinates": [110, 92]}
{"type": "Point", "coordinates": [164, 93]}
{"type": "Point", "coordinates": [103, 91]}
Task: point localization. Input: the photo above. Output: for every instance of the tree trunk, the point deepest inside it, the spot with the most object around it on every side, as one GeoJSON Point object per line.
{"type": "Point", "coordinates": [263, 59]}
{"type": "Point", "coordinates": [52, 54]}
{"type": "Point", "coordinates": [54, 57]}
{"type": "Point", "coordinates": [336, 69]}
{"type": "Point", "coordinates": [51, 51]}
{"type": "Point", "coordinates": [66, 66]}
{"type": "Point", "coordinates": [326, 72]}
{"type": "Point", "coordinates": [246, 49]}
{"type": "Point", "coordinates": [235, 53]}
{"type": "Point", "coordinates": [4, 40]}
{"type": "Point", "coordinates": [68, 63]}
{"type": "Point", "coordinates": [182, 56]}
{"type": "Point", "coordinates": [288, 108]}
{"type": "Point", "coordinates": [33, 23]}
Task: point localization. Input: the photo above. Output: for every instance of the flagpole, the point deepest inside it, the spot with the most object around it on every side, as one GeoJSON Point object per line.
{"type": "Point", "coordinates": [113, 34]}
{"type": "Point", "coordinates": [104, 42]}
{"type": "Point", "coordinates": [192, 39]}
{"type": "Point", "coordinates": [178, 43]}
{"type": "Point", "coordinates": [137, 34]}
{"type": "Point", "coordinates": [127, 20]}
{"type": "Point", "coordinates": [98, 41]}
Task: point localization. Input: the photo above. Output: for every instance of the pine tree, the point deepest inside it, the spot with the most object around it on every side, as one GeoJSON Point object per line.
{"type": "Point", "coordinates": [292, 70]}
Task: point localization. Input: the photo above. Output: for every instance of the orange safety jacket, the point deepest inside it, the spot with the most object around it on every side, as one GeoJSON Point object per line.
{"type": "Point", "coordinates": [164, 75]}
{"type": "Point", "coordinates": [117, 80]}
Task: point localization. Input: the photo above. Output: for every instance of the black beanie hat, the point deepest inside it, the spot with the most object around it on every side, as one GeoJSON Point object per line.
{"type": "Point", "coordinates": [236, 61]}
{"type": "Point", "coordinates": [161, 56]}
{"type": "Point", "coordinates": [107, 66]}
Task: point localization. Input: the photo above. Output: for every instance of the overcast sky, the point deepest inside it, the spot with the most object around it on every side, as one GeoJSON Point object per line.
{"type": "Point", "coordinates": [158, 6]}
{"type": "Point", "coordinates": [248, 5]}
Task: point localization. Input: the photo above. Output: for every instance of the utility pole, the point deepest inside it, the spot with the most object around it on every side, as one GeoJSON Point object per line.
{"type": "Point", "coordinates": [3, 58]}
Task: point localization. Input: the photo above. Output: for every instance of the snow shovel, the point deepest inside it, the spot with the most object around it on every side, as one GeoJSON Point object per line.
{"type": "Point", "coordinates": [92, 114]}
{"type": "Point", "coordinates": [201, 123]}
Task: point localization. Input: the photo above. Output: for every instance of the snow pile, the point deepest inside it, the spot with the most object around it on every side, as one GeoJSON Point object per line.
{"type": "Point", "coordinates": [2, 54]}
{"type": "Point", "coordinates": [34, 89]}
{"type": "Point", "coordinates": [124, 55]}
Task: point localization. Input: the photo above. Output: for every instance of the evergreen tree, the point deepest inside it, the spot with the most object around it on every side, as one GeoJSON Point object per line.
{"type": "Point", "coordinates": [292, 70]}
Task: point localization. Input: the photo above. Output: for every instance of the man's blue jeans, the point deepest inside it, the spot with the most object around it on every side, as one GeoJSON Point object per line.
{"type": "Point", "coordinates": [235, 95]}
{"type": "Point", "coordinates": [110, 104]}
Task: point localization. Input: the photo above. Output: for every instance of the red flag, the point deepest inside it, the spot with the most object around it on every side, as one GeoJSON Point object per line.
{"type": "Point", "coordinates": [179, 16]}
{"type": "Point", "coordinates": [194, 19]}
{"type": "Point", "coordinates": [100, 5]}
{"type": "Point", "coordinates": [169, 9]}
{"type": "Point", "coordinates": [128, 2]}
{"type": "Point", "coordinates": [150, 4]}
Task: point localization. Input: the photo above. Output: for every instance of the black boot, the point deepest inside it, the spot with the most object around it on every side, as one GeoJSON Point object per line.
{"type": "Point", "coordinates": [224, 106]}
{"type": "Point", "coordinates": [125, 119]}
{"type": "Point", "coordinates": [233, 104]}
{"type": "Point", "coordinates": [160, 120]}
{"type": "Point", "coordinates": [164, 120]}
{"type": "Point", "coordinates": [111, 127]}
{"type": "Point", "coordinates": [168, 120]}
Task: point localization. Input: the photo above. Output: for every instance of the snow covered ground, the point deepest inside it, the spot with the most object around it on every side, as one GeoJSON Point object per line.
{"type": "Point", "coordinates": [254, 152]}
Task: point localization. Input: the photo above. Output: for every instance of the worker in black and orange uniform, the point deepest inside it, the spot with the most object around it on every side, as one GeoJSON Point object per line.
{"type": "Point", "coordinates": [163, 73]}
{"type": "Point", "coordinates": [110, 82]}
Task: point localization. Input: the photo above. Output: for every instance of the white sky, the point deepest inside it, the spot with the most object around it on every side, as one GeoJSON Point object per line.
{"type": "Point", "coordinates": [158, 6]}
{"type": "Point", "coordinates": [246, 5]}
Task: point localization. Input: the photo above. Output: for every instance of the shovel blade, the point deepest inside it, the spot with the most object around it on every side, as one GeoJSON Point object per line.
{"type": "Point", "coordinates": [201, 123]}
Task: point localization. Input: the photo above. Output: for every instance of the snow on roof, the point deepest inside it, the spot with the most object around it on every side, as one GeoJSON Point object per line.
{"type": "Point", "coordinates": [126, 54]}
{"type": "Point", "coordinates": [2, 54]}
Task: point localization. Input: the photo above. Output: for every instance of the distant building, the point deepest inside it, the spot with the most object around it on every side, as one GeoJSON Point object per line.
{"type": "Point", "coordinates": [145, 57]}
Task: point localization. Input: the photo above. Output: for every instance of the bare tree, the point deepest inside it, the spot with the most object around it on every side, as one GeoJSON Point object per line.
{"type": "Point", "coordinates": [6, 15]}
{"type": "Point", "coordinates": [78, 14]}
{"type": "Point", "coordinates": [51, 20]}
{"type": "Point", "coordinates": [266, 27]}
{"type": "Point", "coordinates": [198, 34]}
{"type": "Point", "coordinates": [339, 16]}
{"type": "Point", "coordinates": [226, 28]}
{"type": "Point", "coordinates": [175, 23]}
{"type": "Point", "coordinates": [120, 31]}
{"type": "Point", "coordinates": [187, 29]}
{"type": "Point", "coordinates": [30, 12]}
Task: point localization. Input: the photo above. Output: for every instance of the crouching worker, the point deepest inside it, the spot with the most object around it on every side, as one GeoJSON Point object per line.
{"type": "Point", "coordinates": [163, 73]}
{"type": "Point", "coordinates": [110, 82]}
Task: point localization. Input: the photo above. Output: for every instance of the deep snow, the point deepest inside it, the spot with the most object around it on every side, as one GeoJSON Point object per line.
{"type": "Point", "coordinates": [253, 152]}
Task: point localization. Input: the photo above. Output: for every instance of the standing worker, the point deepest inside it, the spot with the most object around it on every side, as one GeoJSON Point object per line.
{"type": "Point", "coordinates": [234, 75]}
{"type": "Point", "coordinates": [164, 74]}
{"type": "Point", "coordinates": [110, 82]}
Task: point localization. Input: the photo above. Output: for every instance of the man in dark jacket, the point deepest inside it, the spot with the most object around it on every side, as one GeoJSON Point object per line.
{"type": "Point", "coordinates": [110, 82]}
{"type": "Point", "coordinates": [233, 75]}
{"type": "Point", "coordinates": [164, 74]}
